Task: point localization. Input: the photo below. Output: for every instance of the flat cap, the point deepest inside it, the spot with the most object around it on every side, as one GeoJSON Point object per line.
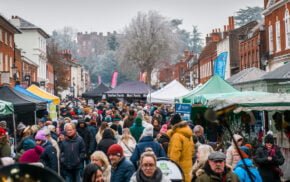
{"type": "Point", "coordinates": [216, 156]}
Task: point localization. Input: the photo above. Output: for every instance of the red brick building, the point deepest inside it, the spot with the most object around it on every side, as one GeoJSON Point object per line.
{"type": "Point", "coordinates": [7, 47]}
{"type": "Point", "coordinates": [277, 26]}
{"type": "Point", "coordinates": [50, 78]}
{"type": "Point", "coordinates": [253, 48]}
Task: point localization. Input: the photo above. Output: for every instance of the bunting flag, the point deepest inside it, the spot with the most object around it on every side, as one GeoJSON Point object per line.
{"type": "Point", "coordinates": [114, 79]}
{"type": "Point", "coordinates": [99, 79]}
{"type": "Point", "coordinates": [220, 64]}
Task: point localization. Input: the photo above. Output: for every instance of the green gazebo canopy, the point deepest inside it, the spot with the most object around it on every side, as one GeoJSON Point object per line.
{"type": "Point", "coordinates": [212, 88]}
{"type": "Point", "coordinates": [6, 108]}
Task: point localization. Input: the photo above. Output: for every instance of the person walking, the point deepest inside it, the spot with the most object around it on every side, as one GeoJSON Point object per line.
{"type": "Point", "coordinates": [137, 129]}
{"type": "Point", "coordinates": [181, 147]}
{"type": "Point", "coordinates": [93, 173]}
{"type": "Point", "coordinates": [203, 151]}
{"type": "Point", "coordinates": [73, 153]}
{"type": "Point", "coordinates": [148, 170]}
{"type": "Point", "coordinates": [100, 159]}
{"type": "Point", "coordinates": [127, 142]}
{"type": "Point", "coordinates": [49, 155]}
{"type": "Point", "coordinates": [122, 168]}
{"type": "Point", "coordinates": [232, 153]}
{"type": "Point", "coordinates": [108, 139]}
{"type": "Point", "coordinates": [215, 170]}
{"type": "Point", "coordinates": [147, 141]}
{"type": "Point", "coordinates": [269, 158]}
{"type": "Point", "coordinates": [240, 169]}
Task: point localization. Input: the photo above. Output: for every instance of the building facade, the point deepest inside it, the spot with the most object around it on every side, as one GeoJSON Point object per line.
{"type": "Point", "coordinates": [8, 52]}
{"type": "Point", "coordinates": [277, 27]}
{"type": "Point", "coordinates": [32, 42]}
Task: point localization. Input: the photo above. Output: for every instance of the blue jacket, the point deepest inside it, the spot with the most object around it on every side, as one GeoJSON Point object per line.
{"type": "Point", "coordinates": [49, 156]}
{"type": "Point", "coordinates": [241, 172]}
{"type": "Point", "coordinates": [72, 152]}
{"type": "Point", "coordinates": [123, 172]}
{"type": "Point", "coordinates": [147, 142]}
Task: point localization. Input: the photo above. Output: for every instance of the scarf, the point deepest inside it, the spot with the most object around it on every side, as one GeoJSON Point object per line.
{"type": "Point", "coordinates": [157, 176]}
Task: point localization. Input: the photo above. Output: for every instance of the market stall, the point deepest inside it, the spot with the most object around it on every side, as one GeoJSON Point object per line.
{"type": "Point", "coordinates": [168, 93]}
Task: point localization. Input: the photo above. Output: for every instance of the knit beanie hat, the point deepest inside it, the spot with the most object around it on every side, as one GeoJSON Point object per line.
{"type": "Point", "coordinates": [40, 135]}
{"type": "Point", "coordinates": [138, 121]}
{"type": "Point", "coordinates": [163, 129]}
{"type": "Point", "coordinates": [115, 149]}
{"type": "Point", "coordinates": [3, 124]}
{"type": "Point", "coordinates": [246, 152]}
{"type": "Point", "coordinates": [28, 144]}
{"type": "Point", "coordinates": [148, 131]}
{"type": "Point", "coordinates": [175, 119]}
{"type": "Point", "coordinates": [269, 139]}
{"type": "Point", "coordinates": [108, 119]}
{"type": "Point", "coordinates": [31, 155]}
{"type": "Point", "coordinates": [20, 126]}
{"type": "Point", "coordinates": [2, 132]}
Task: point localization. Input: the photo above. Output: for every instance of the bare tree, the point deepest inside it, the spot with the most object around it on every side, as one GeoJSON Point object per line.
{"type": "Point", "coordinates": [148, 41]}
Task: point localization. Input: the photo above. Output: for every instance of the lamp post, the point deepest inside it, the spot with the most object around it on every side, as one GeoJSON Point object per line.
{"type": "Point", "coordinates": [14, 67]}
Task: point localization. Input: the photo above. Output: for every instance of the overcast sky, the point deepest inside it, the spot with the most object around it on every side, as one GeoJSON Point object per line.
{"type": "Point", "coordinates": [108, 15]}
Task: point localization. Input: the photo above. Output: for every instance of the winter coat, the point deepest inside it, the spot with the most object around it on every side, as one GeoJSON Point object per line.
{"type": "Point", "coordinates": [136, 130]}
{"type": "Point", "coordinates": [85, 133]}
{"type": "Point", "coordinates": [268, 169]}
{"type": "Point", "coordinates": [49, 156]}
{"type": "Point", "coordinates": [164, 141]}
{"type": "Point", "coordinates": [123, 171]}
{"type": "Point", "coordinates": [181, 147]}
{"type": "Point", "coordinates": [5, 150]}
{"type": "Point", "coordinates": [129, 122]}
{"type": "Point", "coordinates": [73, 152]}
{"type": "Point", "coordinates": [144, 143]}
{"type": "Point", "coordinates": [129, 147]}
{"type": "Point", "coordinates": [242, 174]}
{"type": "Point", "coordinates": [20, 144]}
{"type": "Point", "coordinates": [232, 155]}
{"type": "Point", "coordinates": [93, 130]}
{"type": "Point", "coordinates": [158, 173]}
{"type": "Point", "coordinates": [210, 176]}
{"type": "Point", "coordinates": [107, 141]}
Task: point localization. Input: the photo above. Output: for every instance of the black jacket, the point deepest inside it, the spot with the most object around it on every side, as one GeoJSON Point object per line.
{"type": "Point", "coordinates": [85, 133]}
{"type": "Point", "coordinates": [268, 169]}
{"type": "Point", "coordinates": [49, 156]}
{"type": "Point", "coordinates": [107, 140]}
{"type": "Point", "coordinates": [72, 152]}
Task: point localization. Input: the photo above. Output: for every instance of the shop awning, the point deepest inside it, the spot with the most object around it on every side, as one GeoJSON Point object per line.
{"type": "Point", "coordinates": [22, 90]}
{"type": "Point", "coordinates": [43, 94]}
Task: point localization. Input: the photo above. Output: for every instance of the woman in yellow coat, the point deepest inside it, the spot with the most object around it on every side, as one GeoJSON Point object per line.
{"type": "Point", "coordinates": [181, 147]}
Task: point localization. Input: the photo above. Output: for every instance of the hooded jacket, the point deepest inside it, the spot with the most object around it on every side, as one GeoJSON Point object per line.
{"type": "Point", "coordinates": [85, 133]}
{"type": "Point", "coordinates": [232, 154]}
{"type": "Point", "coordinates": [107, 140]}
{"type": "Point", "coordinates": [144, 143]}
{"type": "Point", "coordinates": [49, 156]}
{"type": "Point", "coordinates": [137, 129]}
{"type": "Point", "coordinates": [242, 174]}
{"type": "Point", "coordinates": [181, 147]}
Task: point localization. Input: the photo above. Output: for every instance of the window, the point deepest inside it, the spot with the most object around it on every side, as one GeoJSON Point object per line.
{"type": "Point", "coordinates": [1, 35]}
{"type": "Point", "coordinates": [287, 29]}
{"type": "Point", "coordinates": [10, 66]}
{"type": "Point", "coordinates": [1, 61]}
{"type": "Point", "coordinates": [11, 41]}
{"type": "Point", "coordinates": [6, 63]}
{"type": "Point", "coordinates": [278, 37]}
{"type": "Point", "coordinates": [6, 38]}
{"type": "Point", "coordinates": [270, 39]}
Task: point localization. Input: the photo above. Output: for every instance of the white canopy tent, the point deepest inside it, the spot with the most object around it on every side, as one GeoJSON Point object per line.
{"type": "Point", "coordinates": [168, 93]}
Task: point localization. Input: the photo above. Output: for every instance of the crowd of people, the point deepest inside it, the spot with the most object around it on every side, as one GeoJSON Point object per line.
{"type": "Point", "coordinates": [121, 143]}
